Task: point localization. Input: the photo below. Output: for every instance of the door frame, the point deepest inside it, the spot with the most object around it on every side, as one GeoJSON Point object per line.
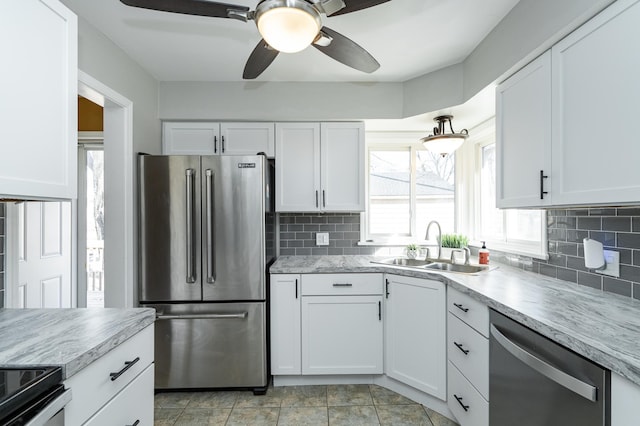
{"type": "Point", "coordinates": [118, 191]}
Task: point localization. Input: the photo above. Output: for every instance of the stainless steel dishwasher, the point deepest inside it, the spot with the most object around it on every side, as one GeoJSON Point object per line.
{"type": "Point", "coordinates": [535, 381]}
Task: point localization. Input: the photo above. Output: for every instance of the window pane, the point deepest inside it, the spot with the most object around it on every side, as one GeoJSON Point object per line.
{"type": "Point", "coordinates": [491, 219]}
{"type": "Point", "coordinates": [524, 225]}
{"type": "Point", "coordinates": [389, 192]}
{"type": "Point", "coordinates": [435, 191]}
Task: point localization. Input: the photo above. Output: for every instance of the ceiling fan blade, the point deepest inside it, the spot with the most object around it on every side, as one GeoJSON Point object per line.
{"type": "Point", "coordinates": [355, 5]}
{"type": "Point", "coordinates": [188, 7]}
{"type": "Point", "coordinates": [259, 60]}
{"type": "Point", "coordinates": [346, 51]}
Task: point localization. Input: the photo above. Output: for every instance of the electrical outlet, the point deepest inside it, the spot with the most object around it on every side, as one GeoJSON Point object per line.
{"type": "Point", "coordinates": [322, 238]}
{"type": "Point", "coordinates": [612, 264]}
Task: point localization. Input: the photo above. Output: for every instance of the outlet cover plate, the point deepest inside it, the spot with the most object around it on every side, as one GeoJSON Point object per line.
{"type": "Point", "coordinates": [322, 239]}
{"type": "Point", "coordinates": [612, 264]}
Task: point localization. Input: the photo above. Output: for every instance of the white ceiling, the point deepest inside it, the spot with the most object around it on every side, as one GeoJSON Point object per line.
{"type": "Point", "coordinates": [408, 37]}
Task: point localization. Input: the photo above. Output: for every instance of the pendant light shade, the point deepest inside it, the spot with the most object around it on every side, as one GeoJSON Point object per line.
{"type": "Point", "coordinates": [288, 25]}
{"type": "Point", "coordinates": [444, 143]}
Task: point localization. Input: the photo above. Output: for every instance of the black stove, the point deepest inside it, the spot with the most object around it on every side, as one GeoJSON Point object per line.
{"type": "Point", "coordinates": [24, 391]}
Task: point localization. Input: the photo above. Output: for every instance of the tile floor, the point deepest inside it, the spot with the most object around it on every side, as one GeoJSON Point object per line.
{"type": "Point", "coordinates": [295, 405]}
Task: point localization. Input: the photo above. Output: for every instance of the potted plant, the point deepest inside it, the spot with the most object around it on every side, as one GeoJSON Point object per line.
{"type": "Point", "coordinates": [412, 251]}
{"type": "Point", "coordinates": [449, 242]}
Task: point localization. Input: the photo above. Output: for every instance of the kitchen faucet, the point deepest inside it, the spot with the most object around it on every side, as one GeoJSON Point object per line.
{"type": "Point", "coordinates": [426, 237]}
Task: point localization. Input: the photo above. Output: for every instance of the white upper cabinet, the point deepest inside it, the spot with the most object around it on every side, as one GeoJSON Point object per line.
{"type": "Point", "coordinates": [208, 138]}
{"type": "Point", "coordinates": [320, 167]}
{"type": "Point", "coordinates": [523, 130]}
{"type": "Point", "coordinates": [574, 126]}
{"type": "Point", "coordinates": [595, 105]}
{"type": "Point", "coordinates": [38, 105]}
{"type": "Point", "coordinates": [247, 138]}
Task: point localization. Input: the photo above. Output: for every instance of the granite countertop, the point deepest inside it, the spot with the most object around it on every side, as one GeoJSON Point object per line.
{"type": "Point", "coordinates": [601, 326]}
{"type": "Point", "coordinates": [67, 338]}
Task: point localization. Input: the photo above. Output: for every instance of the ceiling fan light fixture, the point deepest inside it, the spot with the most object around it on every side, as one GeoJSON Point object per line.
{"type": "Point", "coordinates": [288, 25]}
{"type": "Point", "coordinates": [444, 143]}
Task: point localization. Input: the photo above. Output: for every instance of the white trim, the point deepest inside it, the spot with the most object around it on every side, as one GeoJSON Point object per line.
{"type": "Point", "coordinates": [119, 292]}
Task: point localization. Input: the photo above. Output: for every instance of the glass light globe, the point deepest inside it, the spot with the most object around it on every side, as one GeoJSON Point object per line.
{"type": "Point", "coordinates": [288, 29]}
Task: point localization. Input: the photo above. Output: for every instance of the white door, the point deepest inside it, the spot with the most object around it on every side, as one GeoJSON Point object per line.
{"type": "Point", "coordinates": [342, 166]}
{"type": "Point", "coordinates": [285, 324]}
{"type": "Point", "coordinates": [190, 138]}
{"type": "Point", "coordinates": [247, 139]}
{"type": "Point", "coordinates": [44, 255]}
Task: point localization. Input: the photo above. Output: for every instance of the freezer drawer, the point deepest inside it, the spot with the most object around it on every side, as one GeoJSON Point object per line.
{"type": "Point", "coordinates": [210, 345]}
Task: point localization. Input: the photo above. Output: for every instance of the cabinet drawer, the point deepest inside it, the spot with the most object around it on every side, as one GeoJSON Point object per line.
{"type": "Point", "coordinates": [134, 403]}
{"type": "Point", "coordinates": [469, 352]}
{"type": "Point", "coordinates": [460, 393]}
{"type": "Point", "coordinates": [469, 310]}
{"type": "Point", "coordinates": [341, 284]}
{"type": "Point", "coordinates": [92, 386]}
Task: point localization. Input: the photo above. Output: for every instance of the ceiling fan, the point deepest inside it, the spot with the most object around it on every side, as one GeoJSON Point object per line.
{"type": "Point", "coordinates": [285, 26]}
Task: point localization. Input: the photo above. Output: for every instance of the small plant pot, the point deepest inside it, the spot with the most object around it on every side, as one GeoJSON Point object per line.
{"type": "Point", "coordinates": [412, 254]}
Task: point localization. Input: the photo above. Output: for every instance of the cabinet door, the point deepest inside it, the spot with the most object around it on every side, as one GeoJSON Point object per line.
{"type": "Point", "coordinates": [523, 136]}
{"type": "Point", "coordinates": [624, 395]}
{"type": "Point", "coordinates": [342, 335]}
{"type": "Point", "coordinates": [285, 324]}
{"type": "Point", "coordinates": [190, 138]}
{"type": "Point", "coordinates": [38, 105]}
{"type": "Point", "coordinates": [595, 98]}
{"type": "Point", "coordinates": [247, 139]}
{"type": "Point", "coordinates": [415, 334]}
{"type": "Point", "coordinates": [298, 168]}
{"type": "Point", "coordinates": [342, 161]}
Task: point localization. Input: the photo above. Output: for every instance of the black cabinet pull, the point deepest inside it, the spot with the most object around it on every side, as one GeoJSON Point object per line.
{"type": "Point", "coordinates": [136, 423]}
{"type": "Point", "coordinates": [462, 308]}
{"type": "Point", "coordinates": [324, 199]}
{"type": "Point", "coordinates": [542, 178]}
{"type": "Point", "coordinates": [296, 288]}
{"type": "Point", "coordinates": [342, 285]}
{"type": "Point", "coordinates": [459, 346]}
{"type": "Point", "coordinates": [223, 144]}
{"type": "Point", "coordinates": [127, 365]}
{"type": "Point", "coordinates": [387, 288]}
{"type": "Point", "coordinates": [379, 310]}
{"type": "Point", "coordinates": [459, 399]}
{"type": "Point", "coordinates": [215, 144]}
{"type": "Point", "coordinates": [317, 199]}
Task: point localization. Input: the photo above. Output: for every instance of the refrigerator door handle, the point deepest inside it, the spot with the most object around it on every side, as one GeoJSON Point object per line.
{"type": "Point", "coordinates": [190, 175]}
{"type": "Point", "coordinates": [210, 182]}
{"type": "Point", "coordinates": [239, 315]}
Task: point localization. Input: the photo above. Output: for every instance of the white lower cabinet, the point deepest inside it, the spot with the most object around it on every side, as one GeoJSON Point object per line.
{"type": "Point", "coordinates": [285, 324]}
{"type": "Point", "coordinates": [415, 333]}
{"type": "Point", "coordinates": [468, 353]}
{"type": "Point", "coordinates": [625, 396]}
{"type": "Point", "coordinates": [342, 334]}
{"type": "Point", "coordinates": [123, 375]}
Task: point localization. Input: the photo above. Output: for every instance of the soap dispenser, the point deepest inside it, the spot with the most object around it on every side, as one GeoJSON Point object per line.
{"type": "Point", "coordinates": [483, 255]}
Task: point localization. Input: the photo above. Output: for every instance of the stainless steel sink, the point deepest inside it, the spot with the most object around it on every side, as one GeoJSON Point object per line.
{"type": "Point", "coordinates": [403, 261]}
{"type": "Point", "coordinates": [441, 265]}
{"type": "Point", "coordinates": [455, 267]}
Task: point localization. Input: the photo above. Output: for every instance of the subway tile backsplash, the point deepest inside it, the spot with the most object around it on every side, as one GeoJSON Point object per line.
{"type": "Point", "coordinates": [617, 229]}
{"type": "Point", "coordinates": [298, 234]}
{"type": "Point", "coordinates": [2, 253]}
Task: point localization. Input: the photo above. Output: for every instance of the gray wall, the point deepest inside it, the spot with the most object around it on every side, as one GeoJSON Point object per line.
{"type": "Point", "coordinates": [617, 228]}
{"type": "Point", "coordinates": [2, 251]}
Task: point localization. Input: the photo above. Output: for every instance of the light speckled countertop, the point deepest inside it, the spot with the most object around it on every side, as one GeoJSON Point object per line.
{"type": "Point", "coordinates": [600, 326]}
{"type": "Point", "coordinates": [68, 338]}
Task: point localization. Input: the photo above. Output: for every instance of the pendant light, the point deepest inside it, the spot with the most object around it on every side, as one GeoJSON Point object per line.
{"type": "Point", "coordinates": [288, 25]}
{"type": "Point", "coordinates": [444, 143]}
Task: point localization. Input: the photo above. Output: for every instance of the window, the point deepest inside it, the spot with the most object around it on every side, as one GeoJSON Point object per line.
{"type": "Point", "coordinates": [407, 187]}
{"type": "Point", "coordinates": [513, 231]}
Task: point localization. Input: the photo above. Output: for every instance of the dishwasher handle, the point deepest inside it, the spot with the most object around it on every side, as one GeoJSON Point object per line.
{"type": "Point", "coordinates": [575, 385]}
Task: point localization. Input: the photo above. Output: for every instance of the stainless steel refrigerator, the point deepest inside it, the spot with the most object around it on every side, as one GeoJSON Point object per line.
{"type": "Point", "coordinates": [205, 242]}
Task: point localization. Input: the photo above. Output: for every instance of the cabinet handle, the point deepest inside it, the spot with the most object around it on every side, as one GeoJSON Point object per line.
{"type": "Point", "coordinates": [215, 144]}
{"type": "Point", "coordinates": [342, 285]}
{"type": "Point", "coordinates": [324, 199]}
{"type": "Point", "coordinates": [127, 365]}
{"type": "Point", "coordinates": [459, 399]}
{"type": "Point", "coordinates": [459, 346]}
{"type": "Point", "coordinates": [222, 137]}
{"type": "Point", "coordinates": [296, 288]}
{"type": "Point", "coordinates": [379, 310]}
{"type": "Point", "coordinates": [387, 288]}
{"type": "Point", "coordinates": [136, 423]}
{"type": "Point", "coordinates": [462, 308]}
{"type": "Point", "coordinates": [542, 178]}
{"type": "Point", "coordinates": [317, 199]}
